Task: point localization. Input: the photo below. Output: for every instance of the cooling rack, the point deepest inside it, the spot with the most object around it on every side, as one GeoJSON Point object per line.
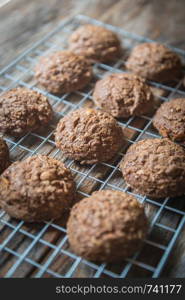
{"type": "Point", "coordinates": [42, 250]}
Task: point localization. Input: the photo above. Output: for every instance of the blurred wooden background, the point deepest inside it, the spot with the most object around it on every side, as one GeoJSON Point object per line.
{"type": "Point", "coordinates": [23, 22]}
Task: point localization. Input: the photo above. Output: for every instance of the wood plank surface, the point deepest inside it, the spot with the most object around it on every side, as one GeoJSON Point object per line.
{"type": "Point", "coordinates": [24, 22]}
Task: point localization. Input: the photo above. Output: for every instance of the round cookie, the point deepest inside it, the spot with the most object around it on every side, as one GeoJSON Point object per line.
{"type": "Point", "coordinates": [155, 168]}
{"type": "Point", "coordinates": [95, 42]}
{"type": "Point", "coordinates": [108, 226]}
{"type": "Point", "coordinates": [89, 136]}
{"type": "Point", "coordinates": [37, 189]}
{"type": "Point", "coordinates": [154, 61]}
{"type": "Point", "coordinates": [63, 72]}
{"type": "Point", "coordinates": [123, 95]}
{"type": "Point", "coordinates": [169, 119]}
{"type": "Point", "coordinates": [22, 110]}
{"type": "Point", "coordinates": [4, 155]}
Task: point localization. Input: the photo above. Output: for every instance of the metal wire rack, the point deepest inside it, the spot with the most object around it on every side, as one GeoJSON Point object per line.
{"type": "Point", "coordinates": [43, 250]}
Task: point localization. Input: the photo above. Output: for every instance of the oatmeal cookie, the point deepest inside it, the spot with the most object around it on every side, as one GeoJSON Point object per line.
{"type": "Point", "coordinates": [155, 168]}
{"type": "Point", "coordinates": [123, 95]}
{"type": "Point", "coordinates": [23, 110]}
{"type": "Point", "coordinates": [155, 62]}
{"type": "Point", "coordinates": [63, 72]}
{"type": "Point", "coordinates": [37, 189]}
{"type": "Point", "coordinates": [95, 42]}
{"type": "Point", "coordinates": [169, 119]}
{"type": "Point", "coordinates": [89, 136]}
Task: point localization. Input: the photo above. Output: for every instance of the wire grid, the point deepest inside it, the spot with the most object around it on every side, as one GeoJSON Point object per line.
{"type": "Point", "coordinates": [43, 250]}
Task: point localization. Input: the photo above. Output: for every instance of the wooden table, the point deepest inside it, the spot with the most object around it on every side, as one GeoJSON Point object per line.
{"type": "Point", "coordinates": [24, 22]}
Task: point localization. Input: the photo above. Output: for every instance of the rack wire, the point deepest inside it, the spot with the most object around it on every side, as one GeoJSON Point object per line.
{"type": "Point", "coordinates": [43, 250]}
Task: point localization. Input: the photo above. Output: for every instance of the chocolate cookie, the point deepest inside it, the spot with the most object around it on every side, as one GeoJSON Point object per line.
{"type": "Point", "coordinates": [108, 226]}
{"type": "Point", "coordinates": [89, 136]}
{"type": "Point", "coordinates": [169, 119]}
{"type": "Point", "coordinates": [155, 62]}
{"type": "Point", "coordinates": [123, 95]}
{"type": "Point", "coordinates": [37, 189]}
{"type": "Point", "coordinates": [4, 155]}
{"type": "Point", "coordinates": [95, 42]}
{"type": "Point", "coordinates": [63, 72]}
{"type": "Point", "coordinates": [22, 110]}
{"type": "Point", "coordinates": [155, 168]}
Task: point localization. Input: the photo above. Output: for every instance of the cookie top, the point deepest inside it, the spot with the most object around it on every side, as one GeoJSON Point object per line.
{"type": "Point", "coordinates": [108, 226]}
{"type": "Point", "coordinates": [123, 95]}
{"type": "Point", "coordinates": [154, 61]}
{"type": "Point", "coordinates": [4, 155]}
{"type": "Point", "coordinates": [95, 42]}
{"type": "Point", "coordinates": [155, 168]}
{"type": "Point", "coordinates": [37, 189]}
{"type": "Point", "coordinates": [22, 110]}
{"type": "Point", "coordinates": [63, 72]}
{"type": "Point", "coordinates": [89, 136]}
{"type": "Point", "coordinates": [183, 81]}
{"type": "Point", "coordinates": [169, 119]}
